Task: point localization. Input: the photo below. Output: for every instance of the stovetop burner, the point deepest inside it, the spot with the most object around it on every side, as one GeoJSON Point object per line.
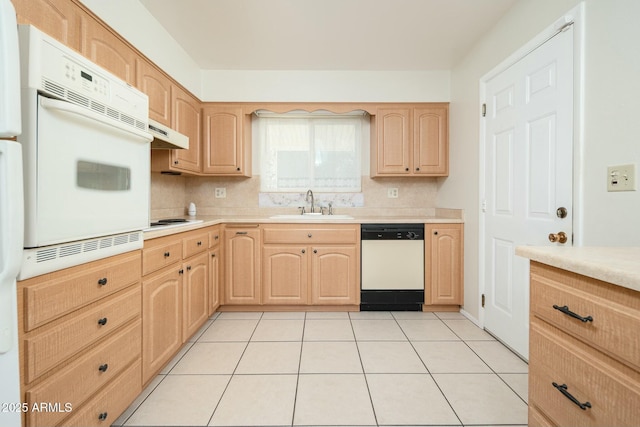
{"type": "Point", "coordinates": [168, 221]}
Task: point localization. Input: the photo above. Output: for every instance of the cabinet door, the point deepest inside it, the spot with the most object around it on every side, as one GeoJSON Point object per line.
{"type": "Point", "coordinates": [242, 266]}
{"type": "Point", "coordinates": [392, 142]}
{"type": "Point", "coordinates": [214, 280]}
{"type": "Point", "coordinates": [157, 86]}
{"type": "Point", "coordinates": [431, 141]}
{"type": "Point", "coordinates": [61, 19]}
{"type": "Point", "coordinates": [224, 141]}
{"type": "Point", "coordinates": [285, 274]}
{"type": "Point", "coordinates": [161, 320]}
{"type": "Point", "coordinates": [104, 48]}
{"type": "Point", "coordinates": [335, 275]}
{"type": "Point", "coordinates": [444, 261]}
{"type": "Point", "coordinates": [195, 294]}
{"type": "Point", "coordinates": [186, 117]}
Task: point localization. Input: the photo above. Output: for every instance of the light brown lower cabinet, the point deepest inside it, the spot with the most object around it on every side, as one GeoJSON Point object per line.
{"type": "Point", "coordinates": [161, 319]}
{"type": "Point", "coordinates": [242, 264]}
{"type": "Point", "coordinates": [584, 351]}
{"type": "Point", "coordinates": [195, 294]}
{"type": "Point", "coordinates": [444, 261]}
{"type": "Point", "coordinates": [311, 264]}
{"type": "Point", "coordinates": [215, 269]}
{"type": "Point", "coordinates": [80, 338]}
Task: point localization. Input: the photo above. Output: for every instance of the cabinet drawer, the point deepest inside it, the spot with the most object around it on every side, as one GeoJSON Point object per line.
{"type": "Point", "coordinates": [45, 349]}
{"type": "Point", "coordinates": [84, 376]}
{"type": "Point", "coordinates": [161, 253]}
{"type": "Point", "coordinates": [312, 234]}
{"type": "Point", "coordinates": [612, 389]}
{"type": "Point", "coordinates": [111, 402]}
{"type": "Point", "coordinates": [615, 316]}
{"type": "Point", "coordinates": [51, 296]}
{"type": "Point", "coordinates": [214, 237]}
{"type": "Point", "coordinates": [195, 244]}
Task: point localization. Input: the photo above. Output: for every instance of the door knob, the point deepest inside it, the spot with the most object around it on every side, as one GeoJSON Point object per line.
{"type": "Point", "coordinates": [561, 237]}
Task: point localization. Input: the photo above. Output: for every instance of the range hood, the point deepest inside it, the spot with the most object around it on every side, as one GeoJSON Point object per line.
{"type": "Point", "coordinates": [166, 138]}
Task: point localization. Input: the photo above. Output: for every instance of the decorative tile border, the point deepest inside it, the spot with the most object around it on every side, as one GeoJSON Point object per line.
{"type": "Point", "coordinates": [341, 200]}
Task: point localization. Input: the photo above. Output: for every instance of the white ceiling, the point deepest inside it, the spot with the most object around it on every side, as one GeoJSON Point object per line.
{"type": "Point", "coordinates": [327, 34]}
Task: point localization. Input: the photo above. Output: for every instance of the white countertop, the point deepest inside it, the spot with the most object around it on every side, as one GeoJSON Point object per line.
{"type": "Point", "coordinates": [617, 265]}
{"type": "Point", "coordinates": [326, 219]}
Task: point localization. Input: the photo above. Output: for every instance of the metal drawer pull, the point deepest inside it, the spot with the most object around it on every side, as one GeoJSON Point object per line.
{"type": "Point", "coordinates": [167, 254]}
{"type": "Point", "coordinates": [103, 368]}
{"type": "Point", "coordinates": [241, 232]}
{"type": "Point", "coordinates": [565, 310]}
{"type": "Point", "coordinates": [199, 243]}
{"type": "Point", "coordinates": [563, 389]}
{"type": "Point", "coordinates": [102, 281]}
{"type": "Point", "coordinates": [103, 416]}
{"type": "Point", "coordinates": [102, 321]}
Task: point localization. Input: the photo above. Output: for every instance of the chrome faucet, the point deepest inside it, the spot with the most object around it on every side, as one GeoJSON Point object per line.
{"type": "Point", "coordinates": [306, 199]}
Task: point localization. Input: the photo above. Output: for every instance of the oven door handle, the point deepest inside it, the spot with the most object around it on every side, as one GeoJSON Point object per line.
{"type": "Point", "coordinates": [54, 104]}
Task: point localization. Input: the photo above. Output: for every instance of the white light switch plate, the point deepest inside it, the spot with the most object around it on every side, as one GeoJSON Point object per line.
{"type": "Point", "coordinates": [220, 193]}
{"type": "Point", "coordinates": [621, 178]}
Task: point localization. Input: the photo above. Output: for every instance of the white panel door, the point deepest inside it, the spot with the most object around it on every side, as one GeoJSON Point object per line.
{"type": "Point", "coordinates": [528, 178]}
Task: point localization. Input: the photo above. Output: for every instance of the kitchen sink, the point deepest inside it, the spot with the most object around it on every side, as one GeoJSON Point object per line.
{"type": "Point", "coordinates": [307, 217]}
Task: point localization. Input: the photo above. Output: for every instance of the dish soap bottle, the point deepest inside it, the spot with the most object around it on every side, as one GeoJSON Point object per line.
{"type": "Point", "coordinates": [192, 209]}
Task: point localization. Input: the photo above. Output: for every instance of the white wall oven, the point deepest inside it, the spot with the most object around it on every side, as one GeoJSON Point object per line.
{"type": "Point", "coordinates": [86, 158]}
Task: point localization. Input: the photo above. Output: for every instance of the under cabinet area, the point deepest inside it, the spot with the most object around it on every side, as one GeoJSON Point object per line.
{"type": "Point", "coordinates": [80, 336]}
{"type": "Point", "coordinates": [584, 356]}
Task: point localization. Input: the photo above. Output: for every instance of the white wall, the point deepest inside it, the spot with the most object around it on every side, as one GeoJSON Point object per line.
{"type": "Point", "coordinates": [612, 106]}
{"type": "Point", "coordinates": [134, 22]}
{"type": "Point", "coordinates": [326, 86]}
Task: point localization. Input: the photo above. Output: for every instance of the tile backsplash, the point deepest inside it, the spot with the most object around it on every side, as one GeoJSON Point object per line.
{"type": "Point", "coordinates": [170, 196]}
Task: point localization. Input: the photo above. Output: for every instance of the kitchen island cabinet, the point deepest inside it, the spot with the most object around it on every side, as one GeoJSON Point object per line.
{"type": "Point", "coordinates": [80, 334]}
{"type": "Point", "coordinates": [444, 284]}
{"type": "Point", "coordinates": [584, 349]}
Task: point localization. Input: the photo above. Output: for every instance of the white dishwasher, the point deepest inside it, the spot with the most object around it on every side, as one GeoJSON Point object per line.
{"type": "Point", "coordinates": [392, 271]}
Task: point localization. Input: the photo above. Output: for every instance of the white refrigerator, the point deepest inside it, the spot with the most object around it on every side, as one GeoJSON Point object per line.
{"type": "Point", "coordinates": [11, 215]}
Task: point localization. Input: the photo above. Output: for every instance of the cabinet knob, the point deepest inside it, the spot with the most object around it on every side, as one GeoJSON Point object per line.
{"type": "Point", "coordinates": [181, 271]}
{"type": "Point", "coordinates": [213, 255]}
{"type": "Point", "coordinates": [102, 281]}
{"type": "Point", "coordinates": [188, 268]}
{"type": "Point", "coordinates": [315, 251]}
{"type": "Point", "coordinates": [435, 233]}
{"type": "Point", "coordinates": [199, 243]}
{"type": "Point", "coordinates": [309, 235]}
{"type": "Point", "coordinates": [303, 251]}
{"type": "Point", "coordinates": [406, 169]}
{"type": "Point", "coordinates": [103, 368]}
{"type": "Point", "coordinates": [175, 162]}
{"type": "Point", "coordinates": [102, 321]}
{"type": "Point", "coordinates": [417, 169]}
{"type": "Point", "coordinates": [103, 416]}
{"type": "Point", "coordinates": [238, 169]}
{"type": "Point", "coordinates": [167, 254]}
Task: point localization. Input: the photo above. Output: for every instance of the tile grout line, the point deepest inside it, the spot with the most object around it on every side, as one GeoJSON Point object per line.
{"type": "Point", "coordinates": [364, 373]}
{"type": "Point", "coordinates": [234, 370]}
{"type": "Point", "coordinates": [295, 395]}
{"type": "Point", "coordinates": [427, 368]}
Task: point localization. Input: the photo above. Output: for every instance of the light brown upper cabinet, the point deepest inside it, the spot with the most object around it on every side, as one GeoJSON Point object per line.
{"type": "Point", "coordinates": [157, 86]}
{"type": "Point", "coordinates": [185, 118]}
{"type": "Point", "coordinates": [410, 140]}
{"type": "Point", "coordinates": [227, 141]}
{"type": "Point", "coordinates": [61, 19]}
{"type": "Point", "coordinates": [106, 49]}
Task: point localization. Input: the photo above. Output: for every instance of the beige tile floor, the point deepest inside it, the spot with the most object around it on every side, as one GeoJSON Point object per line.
{"type": "Point", "coordinates": [330, 369]}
